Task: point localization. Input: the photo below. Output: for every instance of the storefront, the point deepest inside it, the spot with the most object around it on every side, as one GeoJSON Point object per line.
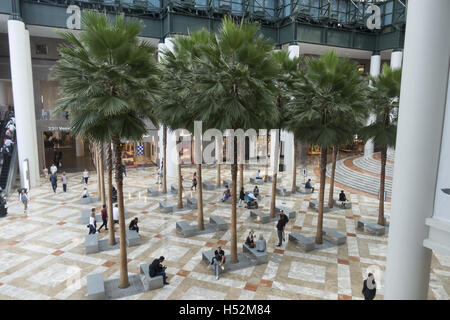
{"type": "Point", "coordinates": [138, 153]}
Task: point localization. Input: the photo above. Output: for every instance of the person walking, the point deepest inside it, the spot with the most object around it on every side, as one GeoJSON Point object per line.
{"type": "Point", "coordinates": [104, 219]}
{"type": "Point", "coordinates": [53, 169]}
{"type": "Point", "coordinates": [85, 176]}
{"type": "Point", "coordinates": [194, 182]}
{"type": "Point", "coordinates": [285, 220]}
{"type": "Point", "coordinates": [54, 181]}
{"type": "Point", "coordinates": [124, 170]}
{"type": "Point", "coordinates": [280, 228]}
{"type": "Point", "coordinates": [64, 181]}
{"type": "Point", "coordinates": [159, 180]}
{"type": "Point", "coordinates": [369, 288]}
{"type": "Point", "coordinates": [45, 172]}
{"type": "Point", "coordinates": [92, 223]}
{"type": "Point", "coordinates": [116, 213]}
{"type": "Point", "coordinates": [24, 199]}
{"type": "Point", "coordinates": [241, 197]}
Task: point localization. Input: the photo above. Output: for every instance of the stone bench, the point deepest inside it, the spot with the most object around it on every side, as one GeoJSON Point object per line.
{"type": "Point", "coordinates": [337, 202]}
{"type": "Point", "coordinates": [303, 190]}
{"type": "Point", "coordinates": [262, 217]}
{"type": "Point", "coordinates": [257, 180]}
{"type": "Point", "coordinates": [88, 200]}
{"type": "Point", "coordinates": [314, 204]}
{"type": "Point", "coordinates": [86, 214]}
{"type": "Point", "coordinates": [371, 227]}
{"type": "Point", "coordinates": [289, 212]}
{"type": "Point", "coordinates": [153, 193]}
{"type": "Point", "coordinates": [95, 286]}
{"type": "Point", "coordinates": [271, 178]}
{"type": "Point", "coordinates": [150, 283]}
{"type": "Point", "coordinates": [208, 186]}
{"type": "Point", "coordinates": [282, 191]}
{"type": "Point", "coordinates": [226, 182]}
{"type": "Point", "coordinates": [174, 189]}
{"type": "Point", "coordinates": [307, 244]}
{"type": "Point", "coordinates": [133, 238]}
{"type": "Point", "coordinates": [185, 228]}
{"type": "Point", "coordinates": [192, 203]}
{"type": "Point", "coordinates": [219, 222]}
{"type": "Point", "coordinates": [91, 243]}
{"type": "Point", "coordinates": [334, 236]}
{"type": "Point", "coordinates": [227, 200]}
{"type": "Point", "coordinates": [166, 206]}
{"type": "Point", "coordinates": [261, 257]}
{"type": "Point", "coordinates": [209, 255]}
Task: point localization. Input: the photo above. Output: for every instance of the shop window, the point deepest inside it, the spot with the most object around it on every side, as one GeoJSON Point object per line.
{"type": "Point", "coordinates": [41, 49]}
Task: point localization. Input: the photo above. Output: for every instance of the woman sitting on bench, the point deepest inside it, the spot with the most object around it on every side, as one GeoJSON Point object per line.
{"type": "Point", "coordinates": [250, 242]}
{"type": "Point", "coordinates": [85, 193]}
{"type": "Point", "coordinates": [226, 194]}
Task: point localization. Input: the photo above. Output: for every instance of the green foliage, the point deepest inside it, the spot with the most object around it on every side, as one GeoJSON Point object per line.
{"type": "Point", "coordinates": [384, 96]}
{"type": "Point", "coordinates": [328, 102]}
{"type": "Point", "coordinates": [109, 79]}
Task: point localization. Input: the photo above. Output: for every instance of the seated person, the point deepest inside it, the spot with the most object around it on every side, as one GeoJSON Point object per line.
{"type": "Point", "coordinates": [308, 185]}
{"type": "Point", "coordinates": [256, 191]}
{"type": "Point", "coordinates": [250, 242]}
{"type": "Point", "coordinates": [85, 193]}
{"type": "Point", "coordinates": [226, 194]}
{"type": "Point", "coordinates": [114, 194]}
{"type": "Point", "coordinates": [257, 175]}
{"type": "Point", "coordinates": [218, 260]}
{"type": "Point", "coordinates": [116, 214]}
{"type": "Point", "coordinates": [133, 225]}
{"type": "Point", "coordinates": [342, 198]}
{"type": "Point", "coordinates": [157, 269]}
{"type": "Point", "coordinates": [261, 244]}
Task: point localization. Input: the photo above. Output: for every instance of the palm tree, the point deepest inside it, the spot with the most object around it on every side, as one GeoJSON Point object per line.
{"type": "Point", "coordinates": [233, 77]}
{"type": "Point", "coordinates": [109, 82]}
{"type": "Point", "coordinates": [383, 95]}
{"type": "Point", "coordinates": [326, 93]}
{"type": "Point", "coordinates": [284, 81]}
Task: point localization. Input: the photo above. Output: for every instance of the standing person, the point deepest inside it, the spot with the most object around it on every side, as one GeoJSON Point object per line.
{"type": "Point", "coordinates": [256, 192]}
{"type": "Point", "coordinates": [241, 196]}
{"type": "Point", "coordinates": [116, 213]}
{"type": "Point", "coordinates": [85, 176]}
{"type": "Point", "coordinates": [53, 169]}
{"type": "Point", "coordinates": [54, 181]}
{"type": "Point", "coordinates": [124, 170]}
{"type": "Point", "coordinates": [157, 269]}
{"type": "Point", "coordinates": [104, 219]}
{"type": "Point", "coordinates": [280, 228]}
{"type": "Point", "coordinates": [218, 260]}
{"type": "Point", "coordinates": [24, 199]}
{"type": "Point", "coordinates": [194, 182]}
{"type": "Point", "coordinates": [285, 220]}
{"type": "Point", "coordinates": [369, 288]}
{"type": "Point", "coordinates": [45, 172]}
{"type": "Point", "coordinates": [159, 180]}
{"type": "Point", "coordinates": [92, 223]}
{"type": "Point", "coordinates": [64, 181]}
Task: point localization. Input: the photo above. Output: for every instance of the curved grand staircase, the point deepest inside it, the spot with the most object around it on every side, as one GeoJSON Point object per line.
{"type": "Point", "coordinates": [363, 173]}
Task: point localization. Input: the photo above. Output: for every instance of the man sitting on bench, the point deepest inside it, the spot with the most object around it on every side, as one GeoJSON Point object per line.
{"type": "Point", "coordinates": [133, 225]}
{"type": "Point", "coordinates": [157, 269]}
{"type": "Point", "coordinates": [342, 198]}
{"type": "Point", "coordinates": [226, 194]}
{"type": "Point", "coordinates": [218, 260]}
{"type": "Point", "coordinates": [308, 185]}
{"type": "Point", "coordinates": [256, 191]}
{"type": "Point", "coordinates": [257, 174]}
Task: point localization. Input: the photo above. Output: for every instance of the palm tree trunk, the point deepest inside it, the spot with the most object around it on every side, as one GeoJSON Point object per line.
{"type": "Point", "coordinates": [219, 154]}
{"type": "Point", "coordinates": [109, 168]}
{"type": "Point", "coordinates": [294, 171]}
{"type": "Point", "coordinates": [241, 176]}
{"type": "Point", "coordinates": [180, 183]}
{"type": "Point", "coordinates": [102, 175]}
{"type": "Point", "coordinates": [266, 175]}
{"type": "Point", "coordinates": [200, 223]}
{"type": "Point", "coordinates": [323, 172]}
{"type": "Point", "coordinates": [124, 283]}
{"type": "Point", "coordinates": [333, 170]}
{"type": "Point", "coordinates": [273, 200]}
{"type": "Point", "coordinates": [382, 186]}
{"type": "Point", "coordinates": [164, 182]}
{"type": "Point", "coordinates": [234, 169]}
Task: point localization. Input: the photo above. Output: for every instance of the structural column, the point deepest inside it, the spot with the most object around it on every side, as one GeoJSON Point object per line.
{"type": "Point", "coordinates": [79, 147]}
{"type": "Point", "coordinates": [22, 84]}
{"type": "Point", "coordinates": [396, 63]}
{"type": "Point", "coordinates": [375, 66]}
{"type": "Point", "coordinates": [420, 128]}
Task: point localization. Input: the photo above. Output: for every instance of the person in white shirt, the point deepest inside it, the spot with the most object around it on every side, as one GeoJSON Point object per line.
{"type": "Point", "coordinates": [64, 181]}
{"type": "Point", "coordinates": [8, 142]}
{"type": "Point", "coordinates": [257, 174]}
{"type": "Point", "coordinates": [85, 176]}
{"type": "Point", "coordinates": [85, 193]}
{"type": "Point", "coordinates": [92, 222]}
{"type": "Point", "coordinates": [53, 169]}
{"type": "Point", "coordinates": [116, 214]}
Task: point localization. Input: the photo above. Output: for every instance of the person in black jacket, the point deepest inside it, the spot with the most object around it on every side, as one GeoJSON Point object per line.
{"type": "Point", "coordinates": [342, 198]}
{"type": "Point", "coordinates": [369, 288]}
{"type": "Point", "coordinates": [285, 220]}
{"type": "Point", "coordinates": [133, 225]}
{"type": "Point", "coordinates": [280, 228]}
{"type": "Point", "coordinates": [241, 196]}
{"type": "Point", "coordinates": [54, 181]}
{"type": "Point", "coordinates": [157, 269]}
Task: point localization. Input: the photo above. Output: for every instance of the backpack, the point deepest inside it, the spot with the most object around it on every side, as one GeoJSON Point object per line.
{"type": "Point", "coordinates": [285, 218]}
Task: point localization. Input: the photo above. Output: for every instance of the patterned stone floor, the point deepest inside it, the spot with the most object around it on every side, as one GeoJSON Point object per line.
{"type": "Point", "coordinates": [42, 252]}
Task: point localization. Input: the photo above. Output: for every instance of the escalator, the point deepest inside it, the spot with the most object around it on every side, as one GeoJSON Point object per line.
{"type": "Point", "coordinates": [8, 171]}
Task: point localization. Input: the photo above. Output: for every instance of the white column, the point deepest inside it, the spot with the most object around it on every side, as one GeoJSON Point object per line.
{"type": "Point", "coordinates": [422, 105]}
{"type": "Point", "coordinates": [396, 63]}
{"type": "Point", "coordinates": [375, 67]}
{"type": "Point", "coordinates": [161, 47]}
{"type": "Point", "coordinates": [273, 156]}
{"type": "Point", "coordinates": [22, 84]}
{"type": "Point", "coordinates": [79, 147]}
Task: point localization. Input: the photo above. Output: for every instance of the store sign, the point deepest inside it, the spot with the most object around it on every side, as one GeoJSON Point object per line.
{"type": "Point", "coordinates": [58, 128]}
{"type": "Point", "coordinates": [74, 20]}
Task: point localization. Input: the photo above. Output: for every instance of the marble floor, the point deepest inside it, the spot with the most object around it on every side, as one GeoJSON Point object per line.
{"type": "Point", "coordinates": [42, 252]}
